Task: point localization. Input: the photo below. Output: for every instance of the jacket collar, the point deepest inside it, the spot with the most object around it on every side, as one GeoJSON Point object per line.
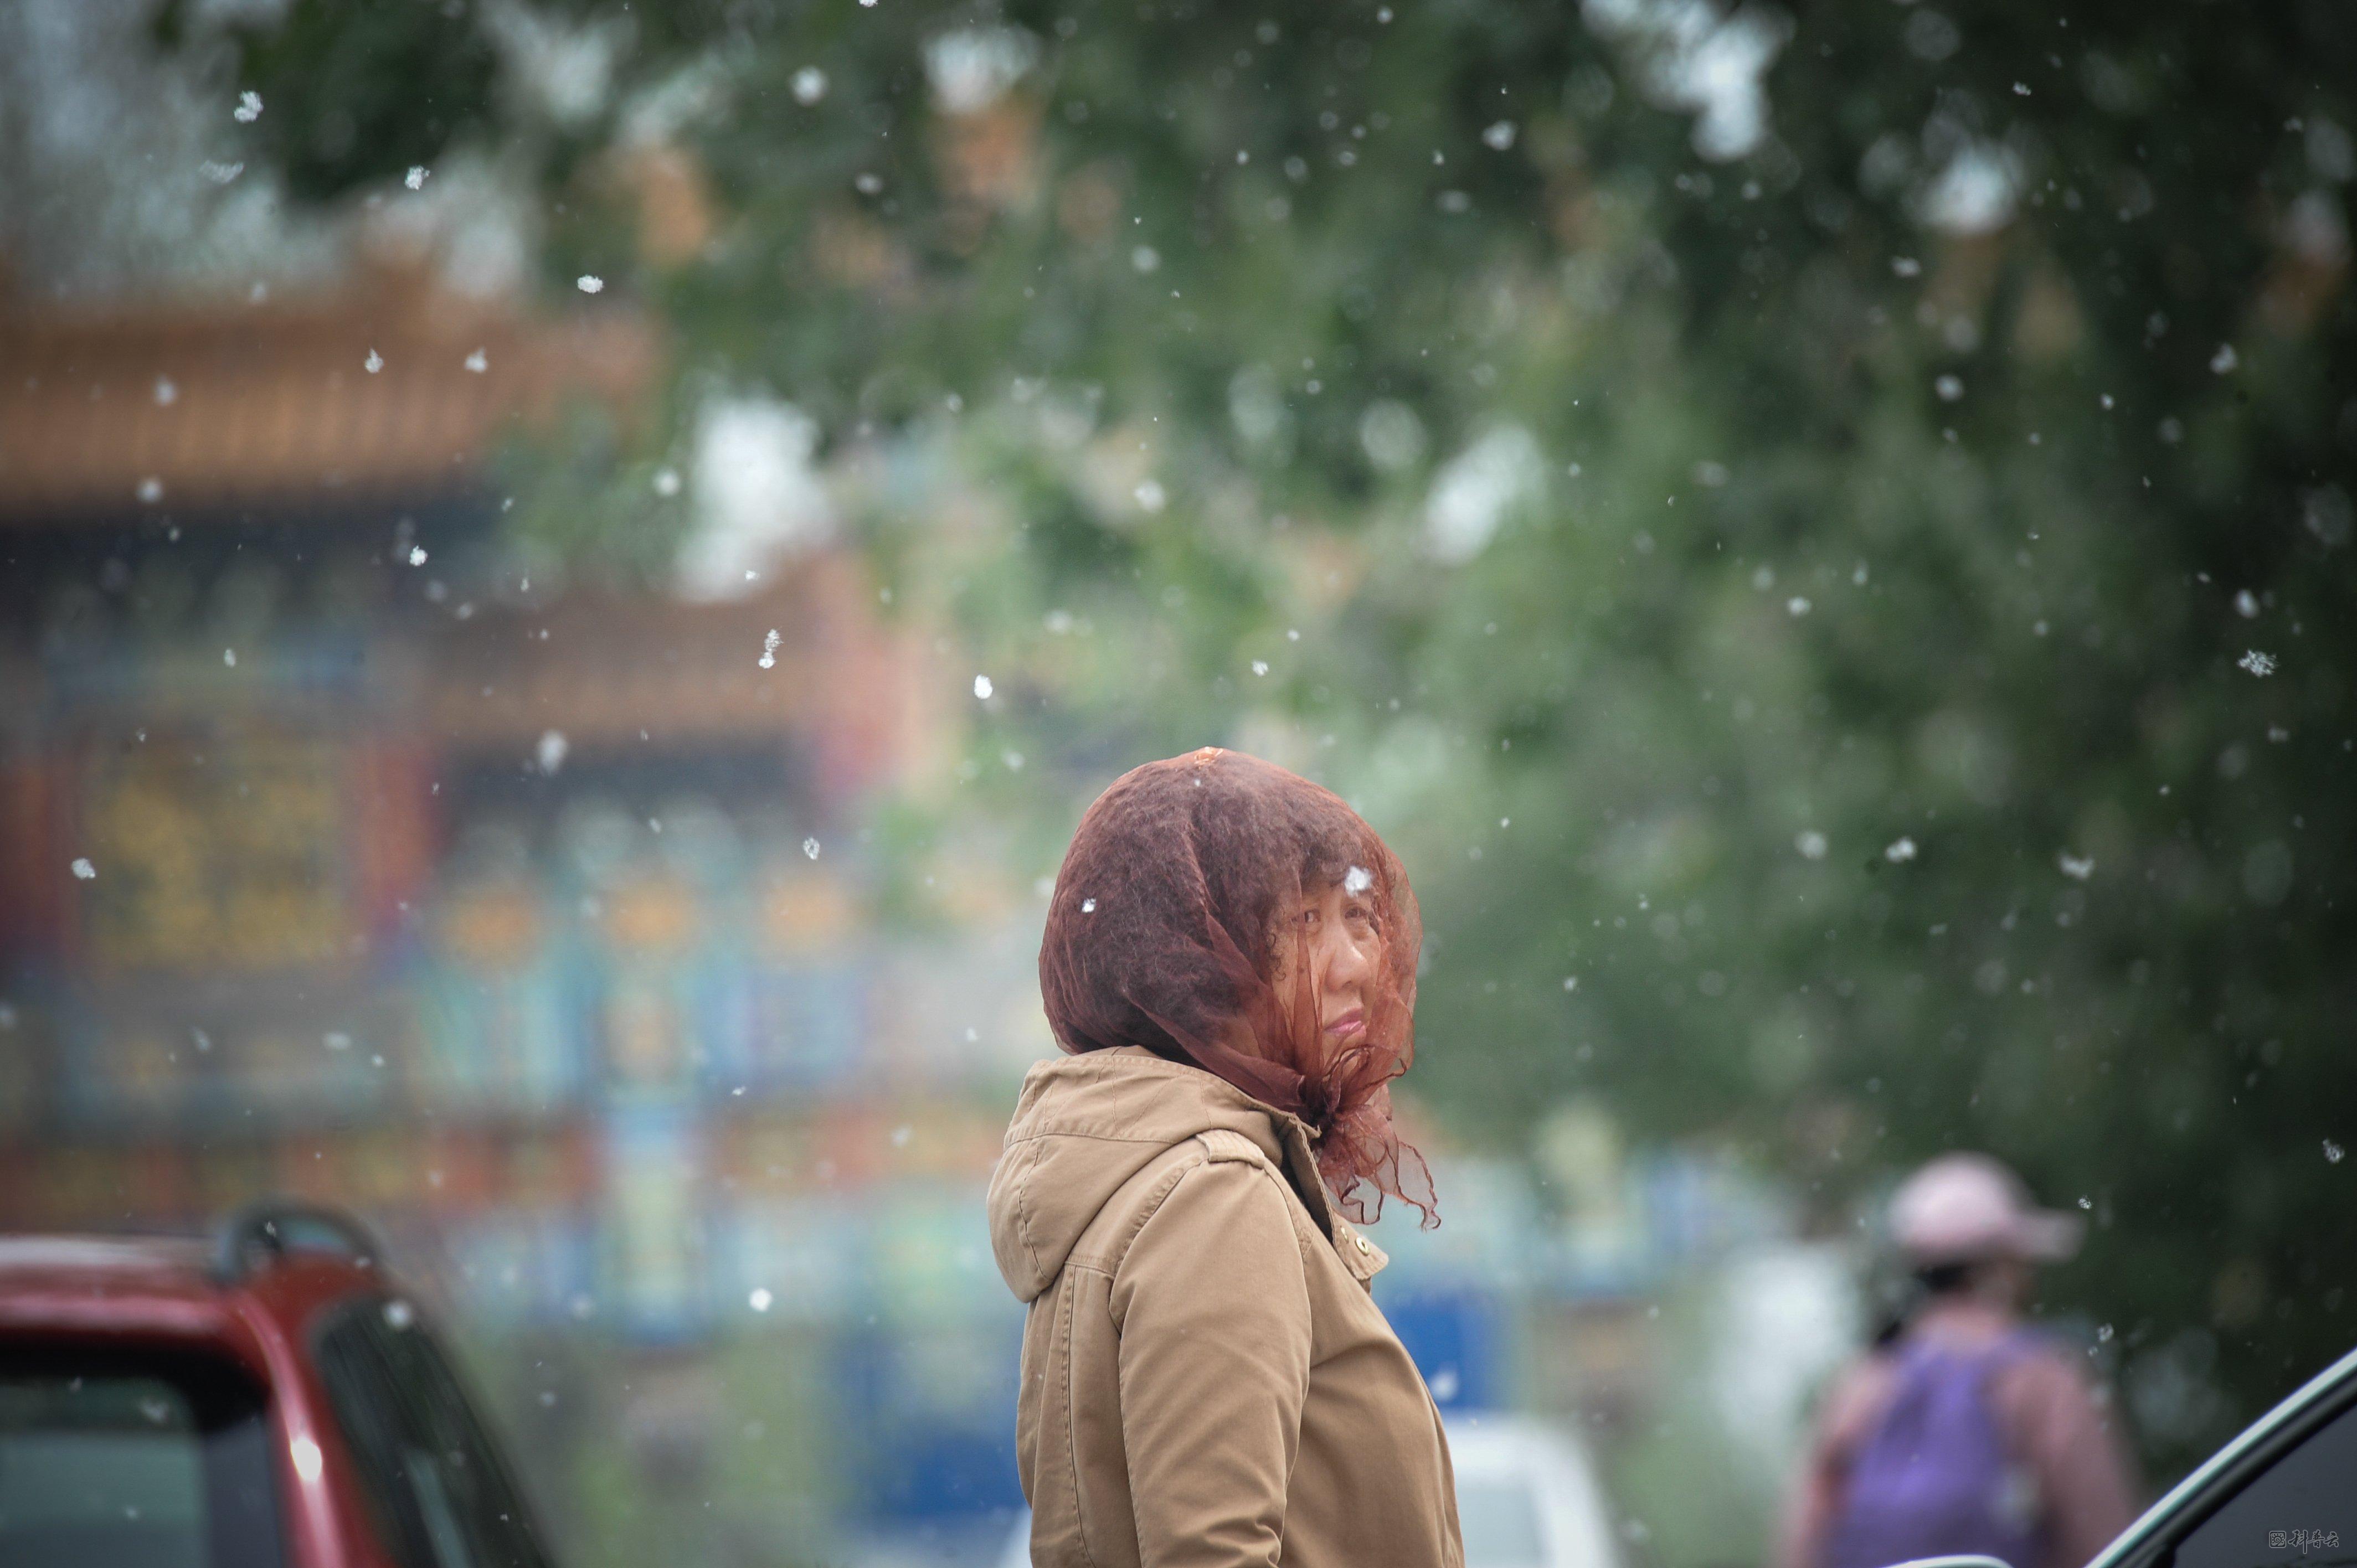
{"type": "Point", "coordinates": [1298, 1156]}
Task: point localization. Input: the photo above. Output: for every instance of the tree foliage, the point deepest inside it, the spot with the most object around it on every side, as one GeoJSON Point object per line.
{"type": "Point", "coordinates": [1841, 595]}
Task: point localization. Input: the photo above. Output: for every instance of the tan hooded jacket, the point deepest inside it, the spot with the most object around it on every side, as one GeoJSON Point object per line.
{"type": "Point", "coordinates": [1206, 1377]}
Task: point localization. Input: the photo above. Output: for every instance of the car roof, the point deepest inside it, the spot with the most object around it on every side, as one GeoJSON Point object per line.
{"type": "Point", "coordinates": [104, 1265]}
{"type": "Point", "coordinates": [1499, 1440]}
{"type": "Point", "coordinates": [166, 1286]}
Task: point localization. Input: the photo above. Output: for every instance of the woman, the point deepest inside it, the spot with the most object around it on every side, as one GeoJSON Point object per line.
{"type": "Point", "coordinates": [1230, 963]}
{"type": "Point", "coordinates": [1965, 1430]}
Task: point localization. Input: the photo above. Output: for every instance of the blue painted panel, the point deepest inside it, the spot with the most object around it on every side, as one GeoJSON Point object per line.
{"type": "Point", "coordinates": [1457, 1341]}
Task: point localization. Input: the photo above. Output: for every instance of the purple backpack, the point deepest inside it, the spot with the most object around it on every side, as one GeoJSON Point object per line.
{"type": "Point", "coordinates": [1935, 1478]}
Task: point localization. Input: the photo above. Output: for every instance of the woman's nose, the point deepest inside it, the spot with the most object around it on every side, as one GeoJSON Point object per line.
{"type": "Point", "coordinates": [1347, 965]}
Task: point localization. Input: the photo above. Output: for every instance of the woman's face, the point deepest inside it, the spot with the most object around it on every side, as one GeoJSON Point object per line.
{"type": "Point", "coordinates": [1344, 945]}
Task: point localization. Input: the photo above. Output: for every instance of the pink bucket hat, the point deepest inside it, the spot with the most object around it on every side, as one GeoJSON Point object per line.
{"type": "Point", "coordinates": [1963, 1208]}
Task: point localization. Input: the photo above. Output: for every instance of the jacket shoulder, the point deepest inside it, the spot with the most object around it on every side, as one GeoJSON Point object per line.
{"type": "Point", "coordinates": [1221, 1147]}
{"type": "Point", "coordinates": [1208, 1161]}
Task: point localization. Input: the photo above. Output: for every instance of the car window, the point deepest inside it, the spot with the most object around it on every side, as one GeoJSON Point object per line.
{"type": "Point", "coordinates": [443, 1497]}
{"type": "Point", "coordinates": [1499, 1522]}
{"type": "Point", "coordinates": [2301, 1510]}
{"type": "Point", "coordinates": [134, 1460]}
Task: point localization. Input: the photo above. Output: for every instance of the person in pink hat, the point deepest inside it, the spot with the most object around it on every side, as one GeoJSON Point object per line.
{"type": "Point", "coordinates": [1965, 1430]}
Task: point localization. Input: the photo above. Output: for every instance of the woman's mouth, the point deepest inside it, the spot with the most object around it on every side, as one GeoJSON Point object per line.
{"type": "Point", "coordinates": [1351, 1023]}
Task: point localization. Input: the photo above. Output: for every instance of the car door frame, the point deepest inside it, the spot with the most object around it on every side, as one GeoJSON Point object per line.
{"type": "Point", "coordinates": [2151, 1542]}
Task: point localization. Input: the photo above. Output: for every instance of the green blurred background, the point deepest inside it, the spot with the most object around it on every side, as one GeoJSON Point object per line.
{"type": "Point", "coordinates": [1821, 533]}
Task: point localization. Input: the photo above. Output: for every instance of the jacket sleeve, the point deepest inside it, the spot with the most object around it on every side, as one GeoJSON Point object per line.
{"type": "Point", "coordinates": [1212, 1305]}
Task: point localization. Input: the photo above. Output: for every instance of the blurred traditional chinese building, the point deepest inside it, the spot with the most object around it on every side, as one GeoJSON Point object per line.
{"type": "Point", "coordinates": [339, 858]}
{"type": "Point", "coordinates": [317, 813]}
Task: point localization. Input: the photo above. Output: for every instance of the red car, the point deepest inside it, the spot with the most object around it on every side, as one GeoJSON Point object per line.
{"type": "Point", "coordinates": [270, 1400]}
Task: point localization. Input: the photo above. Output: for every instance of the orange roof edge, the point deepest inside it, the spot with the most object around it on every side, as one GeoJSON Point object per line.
{"type": "Point", "coordinates": [382, 387]}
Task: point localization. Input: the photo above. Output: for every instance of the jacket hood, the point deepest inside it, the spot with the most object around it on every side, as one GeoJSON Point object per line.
{"type": "Point", "coordinates": [1084, 1125]}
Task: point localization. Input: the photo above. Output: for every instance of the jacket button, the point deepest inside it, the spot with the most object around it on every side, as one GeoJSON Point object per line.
{"type": "Point", "coordinates": [1362, 1243]}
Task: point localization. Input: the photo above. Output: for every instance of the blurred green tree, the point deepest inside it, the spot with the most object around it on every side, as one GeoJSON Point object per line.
{"type": "Point", "coordinates": [1823, 534]}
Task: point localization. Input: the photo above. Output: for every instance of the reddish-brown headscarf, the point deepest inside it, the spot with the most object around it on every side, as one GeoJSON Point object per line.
{"type": "Point", "coordinates": [1171, 928]}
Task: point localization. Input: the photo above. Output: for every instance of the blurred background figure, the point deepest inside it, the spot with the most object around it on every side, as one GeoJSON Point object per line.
{"type": "Point", "coordinates": [1964, 1430]}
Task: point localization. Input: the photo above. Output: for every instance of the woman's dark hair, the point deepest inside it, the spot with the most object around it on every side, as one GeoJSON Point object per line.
{"type": "Point", "coordinates": [1947, 1279]}
{"type": "Point", "coordinates": [1902, 1302]}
